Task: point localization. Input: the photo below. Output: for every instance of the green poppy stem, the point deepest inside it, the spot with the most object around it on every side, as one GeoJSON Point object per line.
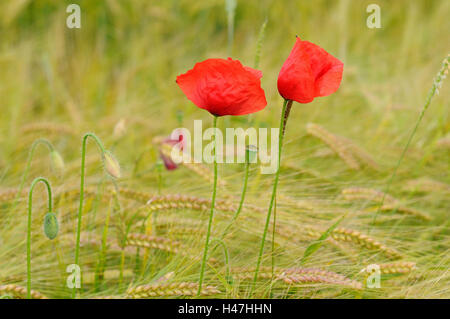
{"type": "Point", "coordinates": [284, 116]}
{"type": "Point", "coordinates": [211, 215]}
{"type": "Point", "coordinates": [33, 147]}
{"type": "Point", "coordinates": [241, 203]}
{"type": "Point", "coordinates": [30, 206]}
{"type": "Point", "coordinates": [80, 207]}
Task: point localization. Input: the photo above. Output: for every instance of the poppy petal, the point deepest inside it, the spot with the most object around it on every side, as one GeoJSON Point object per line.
{"type": "Point", "coordinates": [309, 72]}
{"type": "Point", "coordinates": [327, 70]}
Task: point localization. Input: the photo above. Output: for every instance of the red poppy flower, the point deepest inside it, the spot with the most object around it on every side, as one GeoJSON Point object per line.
{"type": "Point", "coordinates": [309, 72]}
{"type": "Point", "coordinates": [224, 87]}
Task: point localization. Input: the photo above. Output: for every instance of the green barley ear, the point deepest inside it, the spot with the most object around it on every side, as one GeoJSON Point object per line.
{"type": "Point", "coordinates": [57, 162]}
{"type": "Point", "coordinates": [111, 164]}
{"type": "Point", "coordinates": [51, 225]}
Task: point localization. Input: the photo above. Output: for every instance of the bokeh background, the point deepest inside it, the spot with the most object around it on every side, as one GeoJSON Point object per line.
{"type": "Point", "coordinates": [120, 67]}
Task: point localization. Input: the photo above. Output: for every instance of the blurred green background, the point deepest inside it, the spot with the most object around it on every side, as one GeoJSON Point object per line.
{"type": "Point", "coordinates": [127, 54]}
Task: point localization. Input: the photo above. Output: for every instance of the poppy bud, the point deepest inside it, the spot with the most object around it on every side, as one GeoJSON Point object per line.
{"type": "Point", "coordinates": [51, 226]}
{"type": "Point", "coordinates": [112, 166]}
{"type": "Point", "coordinates": [57, 162]}
{"type": "Point", "coordinates": [250, 153]}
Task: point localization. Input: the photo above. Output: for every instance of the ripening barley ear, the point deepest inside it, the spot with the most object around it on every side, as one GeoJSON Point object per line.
{"type": "Point", "coordinates": [50, 224]}
{"type": "Point", "coordinates": [57, 162]}
{"type": "Point", "coordinates": [111, 167]}
{"type": "Point", "coordinates": [111, 164]}
{"type": "Point", "coordinates": [120, 129]}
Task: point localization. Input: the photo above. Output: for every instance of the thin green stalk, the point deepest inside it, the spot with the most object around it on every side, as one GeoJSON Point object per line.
{"type": "Point", "coordinates": [101, 263]}
{"type": "Point", "coordinates": [225, 253]}
{"type": "Point", "coordinates": [80, 207]}
{"type": "Point", "coordinates": [286, 108]}
{"type": "Point", "coordinates": [30, 206]}
{"type": "Point", "coordinates": [273, 236]}
{"type": "Point", "coordinates": [211, 214]}
{"type": "Point", "coordinates": [122, 265]}
{"type": "Point", "coordinates": [33, 147]}
{"type": "Point", "coordinates": [241, 203]}
{"type": "Point", "coordinates": [437, 82]}
{"type": "Point", "coordinates": [230, 7]}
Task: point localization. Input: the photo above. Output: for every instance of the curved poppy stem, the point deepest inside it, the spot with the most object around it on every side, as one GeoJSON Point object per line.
{"type": "Point", "coordinates": [30, 208]}
{"type": "Point", "coordinates": [80, 207]}
{"type": "Point", "coordinates": [284, 116]}
{"type": "Point", "coordinates": [211, 214]}
{"type": "Point", "coordinates": [33, 147]}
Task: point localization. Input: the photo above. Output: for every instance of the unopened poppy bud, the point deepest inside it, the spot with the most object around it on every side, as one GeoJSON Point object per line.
{"type": "Point", "coordinates": [51, 226]}
{"type": "Point", "coordinates": [57, 162]}
{"type": "Point", "coordinates": [112, 166]}
{"type": "Point", "coordinates": [250, 153]}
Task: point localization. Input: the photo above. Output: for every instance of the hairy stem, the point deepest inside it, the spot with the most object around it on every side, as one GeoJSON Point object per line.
{"type": "Point", "coordinates": [211, 214]}
{"type": "Point", "coordinates": [30, 206]}
{"type": "Point", "coordinates": [80, 207]}
{"type": "Point", "coordinates": [33, 147]}
{"type": "Point", "coordinates": [285, 111]}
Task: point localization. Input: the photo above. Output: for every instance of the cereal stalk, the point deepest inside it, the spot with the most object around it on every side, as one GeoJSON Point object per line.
{"type": "Point", "coordinates": [437, 83]}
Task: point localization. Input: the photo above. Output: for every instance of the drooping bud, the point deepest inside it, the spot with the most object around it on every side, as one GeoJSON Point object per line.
{"type": "Point", "coordinates": [57, 162]}
{"type": "Point", "coordinates": [111, 164]}
{"type": "Point", "coordinates": [250, 153]}
{"type": "Point", "coordinates": [51, 225]}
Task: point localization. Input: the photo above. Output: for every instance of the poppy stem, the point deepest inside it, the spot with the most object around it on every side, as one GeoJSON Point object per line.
{"type": "Point", "coordinates": [241, 203]}
{"type": "Point", "coordinates": [284, 116]}
{"type": "Point", "coordinates": [30, 208]}
{"type": "Point", "coordinates": [80, 207]}
{"type": "Point", "coordinates": [211, 215]}
{"type": "Point", "coordinates": [33, 147]}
